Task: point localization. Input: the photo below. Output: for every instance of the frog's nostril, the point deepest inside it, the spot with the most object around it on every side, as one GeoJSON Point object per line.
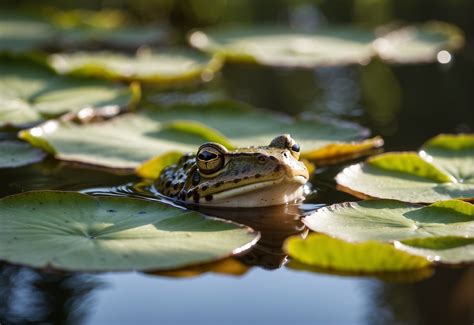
{"type": "Point", "coordinates": [262, 158]}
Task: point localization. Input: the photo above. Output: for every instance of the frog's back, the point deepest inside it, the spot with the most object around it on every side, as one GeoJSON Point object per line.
{"type": "Point", "coordinates": [173, 178]}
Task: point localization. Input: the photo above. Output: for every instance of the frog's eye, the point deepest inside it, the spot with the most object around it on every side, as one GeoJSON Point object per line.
{"type": "Point", "coordinates": [295, 147]}
{"type": "Point", "coordinates": [210, 158]}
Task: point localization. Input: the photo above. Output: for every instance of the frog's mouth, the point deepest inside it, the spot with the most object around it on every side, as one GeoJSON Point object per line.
{"type": "Point", "coordinates": [259, 194]}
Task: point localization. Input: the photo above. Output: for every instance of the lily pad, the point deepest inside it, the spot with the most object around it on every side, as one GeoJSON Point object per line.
{"type": "Point", "coordinates": [16, 154]}
{"type": "Point", "coordinates": [282, 46]}
{"type": "Point", "coordinates": [77, 232]}
{"type": "Point", "coordinates": [423, 43]}
{"type": "Point", "coordinates": [387, 220]}
{"type": "Point", "coordinates": [131, 37]}
{"type": "Point", "coordinates": [367, 257]}
{"type": "Point", "coordinates": [21, 32]}
{"type": "Point", "coordinates": [154, 67]}
{"type": "Point", "coordinates": [131, 139]}
{"type": "Point", "coordinates": [444, 169]}
{"type": "Point", "coordinates": [448, 250]}
{"type": "Point", "coordinates": [333, 45]}
{"type": "Point", "coordinates": [30, 93]}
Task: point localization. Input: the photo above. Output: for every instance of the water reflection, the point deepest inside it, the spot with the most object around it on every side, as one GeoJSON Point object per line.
{"type": "Point", "coordinates": [275, 224]}
{"type": "Point", "coordinates": [445, 298]}
{"type": "Point", "coordinates": [28, 296]}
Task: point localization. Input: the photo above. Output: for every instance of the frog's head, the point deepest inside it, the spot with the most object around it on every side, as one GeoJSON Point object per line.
{"type": "Point", "coordinates": [247, 177]}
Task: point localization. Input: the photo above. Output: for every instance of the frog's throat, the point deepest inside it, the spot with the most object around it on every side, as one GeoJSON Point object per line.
{"type": "Point", "coordinates": [267, 193]}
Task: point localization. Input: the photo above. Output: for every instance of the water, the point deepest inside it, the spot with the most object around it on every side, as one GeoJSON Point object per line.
{"type": "Point", "coordinates": [424, 101]}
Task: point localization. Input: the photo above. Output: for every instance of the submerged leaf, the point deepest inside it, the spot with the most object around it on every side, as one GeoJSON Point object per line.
{"type": "Point", "coordinates": [29, 93]}
{"type": "Point", "coordinates": [367, 257]}
{"type": "Point", "coordinates": [16, 154]}
{"type": "Point", "coordinates": [154, 67]}
{"type": "Point", "coordinates": [444, 169]}
{"type": "Point", "coordinates": [228, 266]}
{"type": "Point", "coordinates": [77, 232]}
{"type": "Point", "coordinates": [131, 139]}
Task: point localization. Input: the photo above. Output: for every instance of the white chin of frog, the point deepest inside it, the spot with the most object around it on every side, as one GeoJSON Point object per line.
{"type": "Point", "coordinates": [274, 192]}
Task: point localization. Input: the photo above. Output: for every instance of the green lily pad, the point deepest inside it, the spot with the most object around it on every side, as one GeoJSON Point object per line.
{"type": "Point", "coordinates": [334, 45]}
{"type": "Point", "coordinates": [282, 46]}
{"type": "Point", "coordinates": [444, 169]}
{"type": "Point", "coordinates": [30, 93]}
{"type": "Point", "coordinates": [448, 250]}
{"type": "Point", "coordinates": [423, 43]}
{"type": "Point", "coordinates": [367, 257]}
{"type": "Point", "coordinates": [77, 232]}
{"type": "Point", "coordinates": [21, 32]}
{"type": "Point", "coordinates": [387, 220]}
{"type": "Point", "coordinates": [16, 154]}
{"type": "Point", "coordinates": [131, 139]}
{"type": "Point", "coordinates": [156, 67]}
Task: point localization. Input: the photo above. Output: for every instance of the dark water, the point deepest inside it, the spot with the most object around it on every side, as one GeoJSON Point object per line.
{"type": "Point", "coordinates": [405, 104]}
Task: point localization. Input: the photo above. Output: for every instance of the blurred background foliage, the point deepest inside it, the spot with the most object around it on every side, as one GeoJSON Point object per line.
{"type": "Point", "coordinates": [390, 99]}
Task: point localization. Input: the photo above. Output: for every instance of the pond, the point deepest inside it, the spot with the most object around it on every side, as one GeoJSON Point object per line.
{"type": "Point", "coordinates": [405, 104]}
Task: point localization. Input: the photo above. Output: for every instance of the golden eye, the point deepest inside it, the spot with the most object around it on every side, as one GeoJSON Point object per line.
{"type": "Point", "coordinates": [210, 158]}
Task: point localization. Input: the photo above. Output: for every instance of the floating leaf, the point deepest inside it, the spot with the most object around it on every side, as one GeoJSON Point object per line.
{"type": "Point", "coordinates": [387, 220]}
{"type": "Point", "coordinates": [443, 170]}
{"type": "Point", "coordinates": [20, 32]}
{"type": "Point", "coordinates": [449, 250]}
{"type": "Point", "coordinates": [282, 46]}
{"type": "Point", "coordinates": [73, 231]}
{"type": "Point", "coordinates": [415, 44]}
{"type": "Point", "coordinates": [367, 257]}
{"type": "Point", "coordinates": [16, 154]}
{"type": "Point", "coordinates": [336, 152]}
{"type": "Point", "coordinates": [131, 37]}
{"type": "Point", "coordinates": [131, 139]}
{"type": "Point", "coordinates": [154, 67]}
{"type": "Point", "coordinates": [30, 92]}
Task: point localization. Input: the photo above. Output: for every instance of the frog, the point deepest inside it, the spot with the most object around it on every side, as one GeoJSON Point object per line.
{"type": "Point", "coordinates": [244, 177]}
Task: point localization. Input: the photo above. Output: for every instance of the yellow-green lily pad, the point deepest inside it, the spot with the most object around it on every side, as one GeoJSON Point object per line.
{"type": "Point", "coordinates": [366, 257]}
{"type": "Point", "coordinates": [443, 169]}
{"type": "Point", "coordinates": [78, 232]}
{"type": "Point", "coordinates": [16, 154]}
{"type": "Point", "coordinates": [275, 45]}
{"type": "Point", "coordinates": [30, 93]}
{"type": "Point", "coordinates": [155, 67]}
{"type": "Point", "coordinates": [131, 139]}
